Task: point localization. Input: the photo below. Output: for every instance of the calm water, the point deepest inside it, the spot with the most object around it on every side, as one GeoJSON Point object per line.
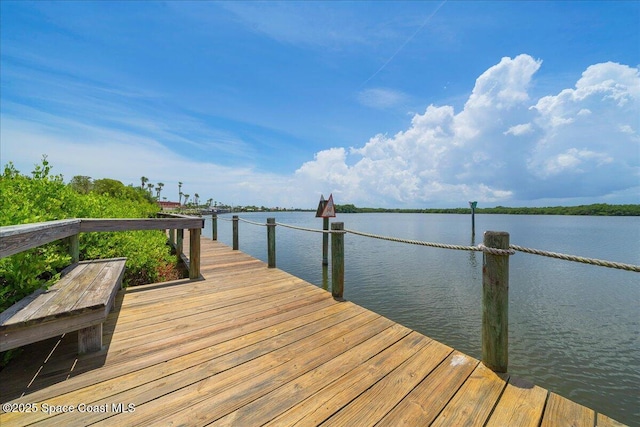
{"type": "Point", "coordinates": [574, 328]}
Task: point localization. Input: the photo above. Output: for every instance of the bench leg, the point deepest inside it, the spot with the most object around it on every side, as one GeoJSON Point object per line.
{"type": "Point", "coordinates": [90, 339]}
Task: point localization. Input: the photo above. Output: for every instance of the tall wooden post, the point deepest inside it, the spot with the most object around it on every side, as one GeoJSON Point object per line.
{"type": "Point", "coordinates": [194, 253]}
{"type": "Point", "coordinates": [179, 240]}
{"type": "Point", "coordinates": [214, 227]}
{"type": "Point", "coordinates": [337, 259]}
{"type": "Point", "coordinates": [271, 242]}
{"type": "Point", "coordinates": [74, 248]}
{"type": "Point", "coordinates": [235, 232]}
{"type": "Point", "coordinates": [325, 242]}
{"type": "Point", "coordinates": [495, 303]}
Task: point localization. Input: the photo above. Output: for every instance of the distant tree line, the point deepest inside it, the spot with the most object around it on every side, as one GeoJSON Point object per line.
{"type": "Point", "coordinates": [598, 209]}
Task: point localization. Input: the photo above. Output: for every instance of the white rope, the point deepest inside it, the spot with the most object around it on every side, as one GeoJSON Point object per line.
{"type": "Point", "coordinates": [313, 230]}
{"type": "Point", "coordinates": [251, 222]}
{"type": "Point", "coordinates": [592, 261]}
{"type": "Point", "coordinates": [480, 248]}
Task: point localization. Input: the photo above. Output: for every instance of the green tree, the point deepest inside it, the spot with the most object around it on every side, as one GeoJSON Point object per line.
{"type": "Point", "coordinates": [143, 181]}
{"type": "Point", "coordinates": [82, 184]}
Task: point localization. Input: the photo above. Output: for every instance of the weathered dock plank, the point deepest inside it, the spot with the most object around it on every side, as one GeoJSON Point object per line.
{"type": "Point", "coordinates": [251, 345]}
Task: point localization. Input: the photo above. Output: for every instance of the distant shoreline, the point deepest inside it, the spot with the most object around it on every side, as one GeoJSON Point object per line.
{"type": "Point", "coordinates": [599, 209]}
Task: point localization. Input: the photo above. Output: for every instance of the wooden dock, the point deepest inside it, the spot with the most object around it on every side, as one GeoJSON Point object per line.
{"type": "Point", "coordinates": [250, 345]}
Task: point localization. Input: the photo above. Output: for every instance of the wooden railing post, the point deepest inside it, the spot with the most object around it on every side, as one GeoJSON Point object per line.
{"type": "Point", "coordinates": [235, 232]}
{"type": "Point", "coordinates": [194, 253]}
{"type": "Point", "coordinates": [495, 303]}
{"type": "Point", "coordinates": [271, 242]}
{"type": "Point", "coordinates": [337, 259]}
{"type": "Point", "coordinates": [74, 248]}
{"type": "Point", "coordinates": [214, 227]}
{"type": "Point", "coordinates": [325, 242]}
{"type": "Point", "coordinates": [172, 237]}
{"type": "Point", "coordinates": [179, 239]}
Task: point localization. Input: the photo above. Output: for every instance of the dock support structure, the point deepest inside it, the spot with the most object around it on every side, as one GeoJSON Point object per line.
{"type": "Point", "coordinates": [235, 232]}
{"type": "Point", "coordinates": [214, 227]}
{"type": "Point", "coordinates": [337, 260]}
{"type": "Point", "coordinates": [271, 242]}
{"type": "Point", "coordinates": [495, 303]}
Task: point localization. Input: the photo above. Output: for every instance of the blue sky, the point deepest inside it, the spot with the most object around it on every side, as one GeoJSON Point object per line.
{"type": "Point", "coordinates": [385, 104]}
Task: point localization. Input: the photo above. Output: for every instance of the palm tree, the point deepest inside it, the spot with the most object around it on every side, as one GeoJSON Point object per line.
{"type": "Point", "coordinates": [143, 181]}
{"type": "Point", "coordinates": [179, 191]}
{"type": "Point", "coordinates": [186, 198]}
{"type": "Point", "coordinates": [150, 187]}
{"type": "Point", "coordinates": [159, 188]}
{"type": "Point", "coordinates": [196, 196]}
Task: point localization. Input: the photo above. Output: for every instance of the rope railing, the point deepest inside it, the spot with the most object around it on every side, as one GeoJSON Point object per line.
{"type": "Point", "coordinates": [583, 260]}
{"type": "Point", "coordinates": [479, 248]}
{"type": "Point", "coordinates": [295, 227]}
{"type": "Point", "coordinates": [495, 278]}
{"type": "Point", "coordinates": [251, 222]}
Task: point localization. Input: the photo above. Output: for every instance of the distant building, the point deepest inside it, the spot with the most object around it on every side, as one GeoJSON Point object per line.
{"type": "Point", "coordinates": [169, 205]}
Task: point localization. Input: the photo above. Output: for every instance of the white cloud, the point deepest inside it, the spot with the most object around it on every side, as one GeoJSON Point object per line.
{"type": "Point", "coordinates": [503, 147]}
{"type": "Point", "coordinates": [576, 144]}
{"type": "Point", "coordinates": [381, 98]}
{"type": "Point", "coordinates": [521, 129]}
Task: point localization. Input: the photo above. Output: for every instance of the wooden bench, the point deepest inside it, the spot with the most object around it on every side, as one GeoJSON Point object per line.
{"type": "Point", "coordinates": [79, 301]}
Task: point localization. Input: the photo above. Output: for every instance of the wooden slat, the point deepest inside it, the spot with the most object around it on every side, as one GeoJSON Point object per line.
{"type": "Point", "coordinates": [272, 404]}
{"type": "Point", "coordinates": [336, 395]}
{"type": "Point", "coordinates": [561, 411]}
{"type": "Point", "coordinates": [127, 224]}
{"type": "Point", "coordinates": [19, 238]}
{"type": "Point", "coordinates": [373, 404]}
{"type": "Point", "coordinates": [604, 421]}
{"type": "Point", "coordinates": [475, 400]}
{"type": "Point", "coordinates": [249, 345]}
{"type": "Point", "coordinates": [102, 292]}
{"type": "Point", "coordinates": [424, 402]}
{"type": "Point", "coordinates": [521, 404]}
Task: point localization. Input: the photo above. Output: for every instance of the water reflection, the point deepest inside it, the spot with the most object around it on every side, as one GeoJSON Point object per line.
{"type": "Point", "coordinates": [473, 260]}
{"type": "Point", "coordinates": [564, 318]}
{"type": "Point", "coordinates": [325, 277]}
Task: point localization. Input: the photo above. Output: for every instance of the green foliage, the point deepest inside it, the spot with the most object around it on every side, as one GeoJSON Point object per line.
{"type": "Point", "coordinates": [45, 197]}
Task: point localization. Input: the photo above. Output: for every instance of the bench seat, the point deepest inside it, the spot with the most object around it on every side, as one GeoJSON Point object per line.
{"type": "Point", "coordinates": [79, 301]}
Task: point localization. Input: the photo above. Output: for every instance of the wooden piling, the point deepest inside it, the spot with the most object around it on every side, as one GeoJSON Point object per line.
{"type": "Point", "coordinates": [325, 242]}
{"type": "Point", "coordinates": [214, 227]}
{"type": "Point", "coordinates": [495, 303]}
{"type": "Point", "coordinates": [271, 242]}
{"type": "Point", "coordinates": [337, 260]}
{"type": "Point", "coordinates": [194, 253]}
{"type": "Point", "coordinates": [235, 232]}
{"type": "Point", "coordinates": [74, 248]}
{"type": "Point", "coordinates": [179, 240]}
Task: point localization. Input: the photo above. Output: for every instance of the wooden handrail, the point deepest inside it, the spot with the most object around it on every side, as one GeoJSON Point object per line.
{"type": "Point", "coordinates": [19, 238]}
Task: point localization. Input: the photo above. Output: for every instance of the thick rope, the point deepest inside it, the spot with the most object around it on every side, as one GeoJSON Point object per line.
{"type": "Point", "coordinates": [592, 261]}
{"type": "Point", "coordinates": [480, 248]}
{"type": "Point", "coordinates": [251, 222]}
{"type": "Point", "coordinates": [313, 230]}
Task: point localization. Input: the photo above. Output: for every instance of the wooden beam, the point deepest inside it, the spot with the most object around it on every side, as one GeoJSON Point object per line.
{"type": "Point", "coordinates": [18, 238]}
{"type": "Point", "coordinates": [128, 224]}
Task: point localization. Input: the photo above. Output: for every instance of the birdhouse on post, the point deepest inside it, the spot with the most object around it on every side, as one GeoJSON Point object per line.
{"type": "Point", "coordinates": [326, 209]}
